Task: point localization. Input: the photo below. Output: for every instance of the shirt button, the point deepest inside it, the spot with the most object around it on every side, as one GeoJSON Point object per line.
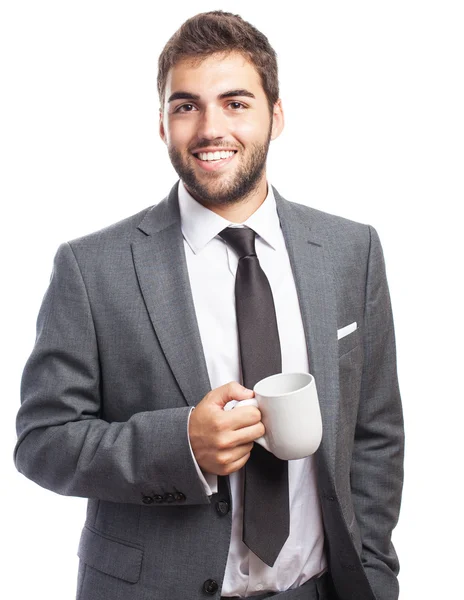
{"type": "Point", "coordinates": [169, 498]}
{"type": "Point", "coordinates": [147, 499]}
{"type": "Point", "coordinates": [259, 587]}
{"type": "Point", "coordinates": [222, 507]}
{"type": "Point", "coordinates": [180, 497]}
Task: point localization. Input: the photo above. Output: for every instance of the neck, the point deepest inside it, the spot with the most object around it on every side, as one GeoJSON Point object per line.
{"type": "Point", "coordinates": [241, 210]}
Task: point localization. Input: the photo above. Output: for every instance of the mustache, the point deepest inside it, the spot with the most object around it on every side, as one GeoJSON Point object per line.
{"type": "Point", "coordinates": [216, 143]}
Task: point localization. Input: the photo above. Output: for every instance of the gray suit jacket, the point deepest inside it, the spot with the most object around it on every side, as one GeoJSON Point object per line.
{"type": "Point", "coordinates": [118, 362]}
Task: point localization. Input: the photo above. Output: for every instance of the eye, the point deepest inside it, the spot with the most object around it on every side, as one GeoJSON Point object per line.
{"type": "Point", "coordinates": [236, 105]}
{"type": "Point", "coordinates": [185, 108]}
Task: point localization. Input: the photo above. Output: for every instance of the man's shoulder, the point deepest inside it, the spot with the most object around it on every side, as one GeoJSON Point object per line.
{"type": "Point", "coordinates": [121, 231]}
{"type": "Point", "coordinates": [101, 250]}
{"type": "Point", "coordinates": [127, 230]}
{"type": "Point", "coordinates": [324, 224]}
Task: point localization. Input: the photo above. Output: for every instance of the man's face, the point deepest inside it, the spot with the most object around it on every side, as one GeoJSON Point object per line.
{"type": "Point", "coordinates": [217, 126]}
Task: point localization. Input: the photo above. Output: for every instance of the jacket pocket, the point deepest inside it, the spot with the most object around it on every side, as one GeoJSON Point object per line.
{"type": "Point", "coordinates": [347, 343]}
{"type": "Point", "coordinates": [110, 556]}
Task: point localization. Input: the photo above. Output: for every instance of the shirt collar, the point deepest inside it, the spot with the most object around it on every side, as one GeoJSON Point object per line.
{"type": "Point", "coordinates": [200, 224]}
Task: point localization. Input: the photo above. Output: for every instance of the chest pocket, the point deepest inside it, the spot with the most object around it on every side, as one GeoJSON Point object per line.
{"type": "Point", "coordinates": [347, 343]}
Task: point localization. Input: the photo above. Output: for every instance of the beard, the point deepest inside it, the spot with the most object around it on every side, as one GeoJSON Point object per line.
{"type": "Point", "coordinates": [220, 190]}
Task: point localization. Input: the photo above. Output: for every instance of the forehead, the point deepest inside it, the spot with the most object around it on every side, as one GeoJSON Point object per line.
{"type": "Point", "coordinates": [214, 74]}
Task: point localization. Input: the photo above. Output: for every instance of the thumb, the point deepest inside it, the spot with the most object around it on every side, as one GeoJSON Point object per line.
{"type": "Point", "coordinates": [231, 391]}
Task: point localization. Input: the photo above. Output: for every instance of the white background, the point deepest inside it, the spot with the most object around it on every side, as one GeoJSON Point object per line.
{"type": "Point", "coordinates": [374, 100]}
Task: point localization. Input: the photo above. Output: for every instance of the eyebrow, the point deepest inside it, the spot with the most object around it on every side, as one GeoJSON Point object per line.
{"type": "Point", "coordinates": [189, 96]}
{"type": "Point", "coordinates": [183, 96]}
{"type": "Point", "coordinates": [233, 93]}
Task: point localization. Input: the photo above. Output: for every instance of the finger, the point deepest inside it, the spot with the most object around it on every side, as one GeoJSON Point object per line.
{"type": "Point", "coordinates": [236, 465]}
{"type": "Point", "coordinates": [247, 434]}
{"type": "Point", "coordinates": [230, 391]}
{"type": "Point", "coordinates": [233, 454]}
{"type": "Point", "coordinates": [239, 451]}
{"type": "Point", "coordinates": [240, 417]}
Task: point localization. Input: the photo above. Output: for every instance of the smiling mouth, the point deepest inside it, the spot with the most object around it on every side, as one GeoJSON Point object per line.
{"type": "Point", "coordinates": [214, 161]}
{"type": "Point", "coordinates": [214, 156]}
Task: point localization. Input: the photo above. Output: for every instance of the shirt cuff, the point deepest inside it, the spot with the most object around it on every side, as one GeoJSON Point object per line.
{"type": "Point", "coordinates": [209, 480]}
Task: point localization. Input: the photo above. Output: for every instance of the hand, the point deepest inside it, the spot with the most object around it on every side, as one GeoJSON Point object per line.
{"type": "Point", "coordinates": [222, 440]}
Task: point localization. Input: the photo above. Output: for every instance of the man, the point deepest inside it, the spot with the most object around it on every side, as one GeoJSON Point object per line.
{"type": "Point", "coordinates": [141, 344]}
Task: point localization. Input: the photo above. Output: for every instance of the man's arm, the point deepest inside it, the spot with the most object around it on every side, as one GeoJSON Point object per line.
{"type": "Point", "coordinates": [377, 466]}
{"type": "Point", "coordinates": [64, 444]}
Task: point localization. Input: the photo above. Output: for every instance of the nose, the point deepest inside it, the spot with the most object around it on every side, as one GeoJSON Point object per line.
{"type": "Point", "coordinates": [213, 123]}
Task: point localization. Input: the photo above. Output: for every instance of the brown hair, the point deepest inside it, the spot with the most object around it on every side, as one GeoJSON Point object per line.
{"type": "Point", "coordinates": [222, 32]}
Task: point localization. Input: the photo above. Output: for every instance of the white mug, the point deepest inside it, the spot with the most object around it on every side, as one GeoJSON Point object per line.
{"type": "Point", "coordinates": [290, 414]}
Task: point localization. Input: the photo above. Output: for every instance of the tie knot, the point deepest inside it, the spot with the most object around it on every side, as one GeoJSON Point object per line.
{"type": "Point", "coordinates": [240, 239]}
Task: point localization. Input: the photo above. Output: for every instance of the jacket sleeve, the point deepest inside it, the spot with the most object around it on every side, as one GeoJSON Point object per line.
{"type": "Point", "coordinates": [63, 443]}
{"type": "Point", "coordinates": [377, 466]}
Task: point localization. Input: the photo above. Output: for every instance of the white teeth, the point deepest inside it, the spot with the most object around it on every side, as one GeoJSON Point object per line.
{"type": "Point", "coordinates": [215, 155]}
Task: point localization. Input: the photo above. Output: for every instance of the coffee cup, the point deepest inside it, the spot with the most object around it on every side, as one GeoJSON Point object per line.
{"type": "Point", "coordinates": [290, 413]}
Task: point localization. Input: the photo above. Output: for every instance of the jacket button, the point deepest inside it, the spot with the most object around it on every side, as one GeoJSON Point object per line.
{"type": "Point", "coordinates": [210, 586]}
{"type": "Point", "coordinates": [222, 507]}
{"type": "Point", "coordinates": [169, 498]}
{"type": "Point", "coordinates": [148, 499]}
{"type": "Point", "coordinates": [180, 497]}
{"type": "Point", "coordinates": [158, 498]}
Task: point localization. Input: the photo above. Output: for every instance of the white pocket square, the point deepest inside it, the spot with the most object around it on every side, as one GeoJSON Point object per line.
{"type": "Point", "coordinates": [344, 331]}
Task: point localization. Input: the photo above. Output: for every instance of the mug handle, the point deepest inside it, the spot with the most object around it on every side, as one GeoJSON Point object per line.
{"type": "Point", "coordinates": [251, 402]}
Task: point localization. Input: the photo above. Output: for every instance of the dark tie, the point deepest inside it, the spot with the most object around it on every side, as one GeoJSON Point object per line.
{"type": "Point", "coordinates": [266, 519]}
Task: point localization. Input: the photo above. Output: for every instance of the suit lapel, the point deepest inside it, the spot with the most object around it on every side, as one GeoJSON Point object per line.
{"type": "Point", "coordinates": [162, 273]}
{"type": "Point", "coordinates": [161, 268]}
{"type": "Point", "coordinates": [314, 282]}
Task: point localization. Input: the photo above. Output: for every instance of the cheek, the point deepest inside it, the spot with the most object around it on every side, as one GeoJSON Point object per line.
{"type": "Point", "coordinates": [250, 129]}
{"type": "Point", "coordinates": [178, 134]}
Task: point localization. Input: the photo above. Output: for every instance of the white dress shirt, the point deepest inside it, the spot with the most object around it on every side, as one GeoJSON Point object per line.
{"type": "Point", "coordinates": [212, 266]}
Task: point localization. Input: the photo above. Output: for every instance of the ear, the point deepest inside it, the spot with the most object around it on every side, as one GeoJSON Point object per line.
{"type": "Point", "coordinates": [162, 131]}
{"type": "Point", "coordinates": [278, 120]}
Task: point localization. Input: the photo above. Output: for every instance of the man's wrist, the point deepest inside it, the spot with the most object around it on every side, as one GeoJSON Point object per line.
{"type": "Point", "coordinates": [209, 480]}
